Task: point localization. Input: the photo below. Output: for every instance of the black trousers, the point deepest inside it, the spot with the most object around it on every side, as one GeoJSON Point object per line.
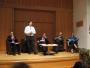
{"type": "Point", "coordinates": [30, 42]}
{"type": "Point", "coordinates": [15, 48]}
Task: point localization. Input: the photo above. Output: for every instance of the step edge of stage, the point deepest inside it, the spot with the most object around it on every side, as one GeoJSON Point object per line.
{"type": "Point", "coordinates": [59, 59]}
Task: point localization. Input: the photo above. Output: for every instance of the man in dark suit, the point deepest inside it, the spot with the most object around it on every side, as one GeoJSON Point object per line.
{"type": "Point", "coordinates": [59, 40]}
{"type": "Point", "coordinates": [43, 40]}
{"type": "Point", "coordinates": [12, 44]}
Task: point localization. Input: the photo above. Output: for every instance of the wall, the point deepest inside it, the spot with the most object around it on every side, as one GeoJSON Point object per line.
{"type": "Point", "coordinates": [62, 9]}
{"type": "Point", "coordinates": [5, 25]}
{"type": "Point", "coordinates": [88, 23]}
{"type": "Point", "coordinates": [43, 21]}
{"type": "Point", "coordinates": [80, 14]}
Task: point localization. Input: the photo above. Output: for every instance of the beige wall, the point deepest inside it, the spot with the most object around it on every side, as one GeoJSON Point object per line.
{"type": "Point", "coordinates": [81, 11]}
{"type": "Point", "coordinates": [88, 23]}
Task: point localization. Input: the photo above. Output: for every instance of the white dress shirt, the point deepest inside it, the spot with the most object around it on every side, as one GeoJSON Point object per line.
{"type": "Point", "coordinates": [29, 31]}
{"type": "Point", "coordinates": [42, 40]}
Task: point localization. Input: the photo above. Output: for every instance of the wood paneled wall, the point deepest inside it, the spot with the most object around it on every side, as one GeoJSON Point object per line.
{"type": "Point", "coordinates": [59, 13]}
{"type": "Point", "coordinates": [5, 25]}
{"type": "Point", "coordinates": [64, 22]}
{"type": "Point", "coordinates": [67, 4]}
{"type": "Point", "coordinates": [44, 22]}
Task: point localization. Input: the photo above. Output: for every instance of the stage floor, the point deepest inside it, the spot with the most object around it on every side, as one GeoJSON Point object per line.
{"type": "Point", "coordinates": [60, 60]}
{"type": "Point", "coordinates": [38, 57]}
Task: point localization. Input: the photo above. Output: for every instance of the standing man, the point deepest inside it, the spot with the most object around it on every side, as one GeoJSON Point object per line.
{"type": "Point", "coordinates": [30, 39]}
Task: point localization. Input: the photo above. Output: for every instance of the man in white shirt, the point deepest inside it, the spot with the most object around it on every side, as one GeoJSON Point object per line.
{"type": "Point", "coordinates": [30, 40]}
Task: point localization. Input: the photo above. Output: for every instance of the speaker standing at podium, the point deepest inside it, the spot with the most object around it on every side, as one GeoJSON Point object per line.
{"type": "Point", "coordinates": [30, 40]}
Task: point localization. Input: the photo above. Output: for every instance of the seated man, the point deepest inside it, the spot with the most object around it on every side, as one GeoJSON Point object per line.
{"type": "Point", "coordinates": [60, 41]}
{"type": "Point", "coordinates": [12, 44]}
{"type": "Point", "coordinates": [42, 40]}
{"type": "Point", "coordinates": [72, 43]}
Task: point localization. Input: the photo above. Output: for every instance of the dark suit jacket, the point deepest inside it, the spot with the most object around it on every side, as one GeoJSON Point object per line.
{"type": "Point", "coordinates": [9, 39]}
{"type": "Point", "coordinates": [43, 42]}
{"type": "Point", "coordinates": [8, 44]}
{"type": "Point", "coordinates": [59, 40]}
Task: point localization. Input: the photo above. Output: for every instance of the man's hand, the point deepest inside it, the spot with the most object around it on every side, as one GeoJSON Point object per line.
{"type": "Point", "coordinates": [75, 46]}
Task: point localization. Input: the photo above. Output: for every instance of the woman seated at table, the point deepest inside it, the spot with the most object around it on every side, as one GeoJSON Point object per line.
{"type": "Point", "coordinates": [12, 44]}
{"type": "Point", "coordinates": [42, 40]}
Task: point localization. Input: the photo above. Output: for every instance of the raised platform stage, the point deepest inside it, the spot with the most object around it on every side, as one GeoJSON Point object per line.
{"type": "Point", "coordinates": [60, 60]}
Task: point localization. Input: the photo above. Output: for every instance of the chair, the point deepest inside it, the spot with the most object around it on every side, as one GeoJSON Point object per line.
{"type": "Point", "coordinates": [71, 45]}
{"type": "Point", "coordinates": [60, 44]}
{"type": "Point", "coordinates": [12, 48]}
{"type": "Point", "coordinates": [8, 48]}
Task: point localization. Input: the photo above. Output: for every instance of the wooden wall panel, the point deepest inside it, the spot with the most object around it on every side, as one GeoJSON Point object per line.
{"type": "Point", "coordinates": [48, 3]}
{"type": "Point", "coordinates": [64, 22]}
{"type": "Point", "coordinates": [20, 3]}
{"type": "Point", "coordinates": [5, 22]}
{"type": "Point", "coordinates": [1, 2]}
{"type": "Point", "coordinates": [45, 28]}
{"type": "Point", "coordinates": [67, 4]}
{"type": "Point", "coordinates": [45, 9]}
{"type": "Point", "coordinates": [44, 3]}
{"type": "Point", "coordinates": [19, 30]}
{"type": "Point", "coordinates": [34, 15]}
{"type": "Point", "coordinates": [44, 21]}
